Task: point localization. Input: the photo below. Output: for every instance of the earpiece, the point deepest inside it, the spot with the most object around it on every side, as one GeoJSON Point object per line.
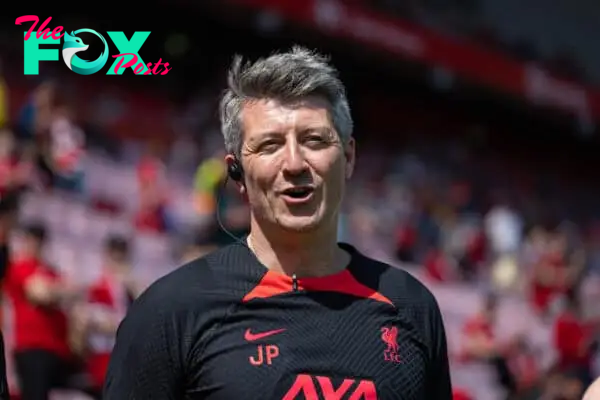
{"type": "Point", "coordinates": [235, 171]}
{"type": "Point", "coordinates": [236, 174]}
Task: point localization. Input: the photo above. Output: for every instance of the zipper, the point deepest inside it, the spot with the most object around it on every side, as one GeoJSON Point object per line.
{"type": "Point", "coordinates": [294, 283]}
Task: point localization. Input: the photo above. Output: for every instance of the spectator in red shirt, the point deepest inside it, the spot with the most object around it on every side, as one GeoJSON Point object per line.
{"type": "Point", "coordinates": [439, 267]}
{"type": "Point", "coordinates": [480, 343]}
{"type": "Point", "coordinates": [406, 239]}
{"type": "Point", "coordinates": [553, 274]}
{"type": "Point", "coordinates": [107, 302]}
{"type": "Point", "coordinates": [42, 355]}
{"type": "Point", "coordinates": [153, 193]}
{"type": "Point", "coordinates": [574, 340]}
{"type": "Point", "coordinates": [478, 333]}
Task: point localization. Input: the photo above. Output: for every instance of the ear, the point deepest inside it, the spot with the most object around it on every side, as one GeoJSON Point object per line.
{"type": "Point", "coordinates": [350, 154]}
{"type": "Point", "coordinates": [229, 159]}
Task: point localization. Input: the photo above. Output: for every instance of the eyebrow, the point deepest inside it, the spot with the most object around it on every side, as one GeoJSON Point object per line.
{"type": "Point", "coordinates": [318, 128]}
{"type": "Point", "coordinates": [264, 135]}
{"type": "Point", "coordinates": [303, 131]}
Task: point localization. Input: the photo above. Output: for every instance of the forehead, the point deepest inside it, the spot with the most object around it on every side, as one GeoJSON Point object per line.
{"type": "Point", "coordinates": [268, 116]}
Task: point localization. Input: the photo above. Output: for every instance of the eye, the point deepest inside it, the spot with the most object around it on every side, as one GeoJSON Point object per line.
{"type": "Point", "coordinates": [268, 146]}
{"type": "Point", "coordinates": [315, 141]}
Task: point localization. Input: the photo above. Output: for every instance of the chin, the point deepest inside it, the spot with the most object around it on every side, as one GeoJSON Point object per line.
{"type": "Point", "coordinates": [302, 224]}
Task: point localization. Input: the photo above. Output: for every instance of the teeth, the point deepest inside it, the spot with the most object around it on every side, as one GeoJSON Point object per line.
{"type": "Point", "coordinates": [298, 190]}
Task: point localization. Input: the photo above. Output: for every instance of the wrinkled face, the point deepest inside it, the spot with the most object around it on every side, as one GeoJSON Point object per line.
{"type": "Point", "coordinates": [295, 166]}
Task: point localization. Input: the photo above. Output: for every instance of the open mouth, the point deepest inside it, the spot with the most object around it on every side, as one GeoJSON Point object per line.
{"type": "Point", "coordinates": [298, 193]}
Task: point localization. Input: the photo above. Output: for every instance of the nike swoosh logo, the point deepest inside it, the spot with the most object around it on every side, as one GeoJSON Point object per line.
{"type": "Point", "coordinates": [251, 337]}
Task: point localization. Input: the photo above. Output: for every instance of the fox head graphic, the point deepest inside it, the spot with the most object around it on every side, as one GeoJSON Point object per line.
{"type": "Point", "coordinates": [72, 45]}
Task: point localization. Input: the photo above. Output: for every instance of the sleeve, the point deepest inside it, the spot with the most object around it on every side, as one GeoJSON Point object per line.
{"type": "Point", "coordinates": [147, 361]}
{"type": "Point", "coordinates": [439, 373]}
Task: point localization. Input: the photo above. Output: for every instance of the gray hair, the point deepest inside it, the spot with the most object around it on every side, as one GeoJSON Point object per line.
{"type": "Point", "coordinates": [286, 77]}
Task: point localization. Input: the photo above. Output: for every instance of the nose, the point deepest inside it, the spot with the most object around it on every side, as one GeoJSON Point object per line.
{"type": "Point", "coordinates": [294, 162]}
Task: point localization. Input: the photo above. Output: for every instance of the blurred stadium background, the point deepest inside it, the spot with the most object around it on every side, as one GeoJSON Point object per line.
{"type": "Point", "coordinates": [477, 129]}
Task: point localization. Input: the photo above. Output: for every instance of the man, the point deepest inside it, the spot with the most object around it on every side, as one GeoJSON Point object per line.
{"type": "Point", "coordinates": [42, 355]}
{"type": "Point", "coordinates": [287, 312]}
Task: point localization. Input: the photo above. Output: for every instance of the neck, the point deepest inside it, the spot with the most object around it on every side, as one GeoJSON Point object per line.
{"type": "Point", "coordinates": [302, 254]}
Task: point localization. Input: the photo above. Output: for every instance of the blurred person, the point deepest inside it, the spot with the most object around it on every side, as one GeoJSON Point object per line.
{"type": "Point", "coordinates": [574, 340]}
{"type": "Point", "coordinates": [524, 366]}
{"type": "Point", "coordinates": [7, 161]}
{"type": "Point", "coordinates": [479, 343]}
{"type": "Point", "coordinates": [439, 267]}
{"type": "Point", "coordinates": [65, 155]}
{"type": "Point", "coordinates": [504, 227]}
{"type": "Point", "coordinates": [35, 116]}
{"type": "Point", "coordinates": [16, 170]}
{"type": "Point", "coordinates": [553, 274]}
{"type": "Point", "coordinates": [562, 386]}
{"type": "Point", "coordinates": [8, 217]}
{"type": "Point", "coordinates": [42, 355]}
{"type": "Point", "coordinates": [406, 240]}
{"type": "Point", "coordinates": [207, 180]}
{"type": "Point", "coordinates": [534, 246]}
{"type": "Point", "coordinates": [153, 191]}
{"type": "Point", "coordinates": [109, 297]}
{"type": "Point", "coordinates": [252, 307]}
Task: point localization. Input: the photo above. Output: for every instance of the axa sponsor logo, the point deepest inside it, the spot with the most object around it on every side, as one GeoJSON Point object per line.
{"type": "Point", "coordinates": [307, 387]}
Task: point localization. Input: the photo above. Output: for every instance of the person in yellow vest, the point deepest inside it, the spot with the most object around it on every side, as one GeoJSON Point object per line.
{"type": "Point", "coordinates": [209, 175]}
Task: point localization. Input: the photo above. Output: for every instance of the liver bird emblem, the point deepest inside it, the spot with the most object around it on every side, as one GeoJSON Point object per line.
{"type": "Point", "coordinates": [390, 337]}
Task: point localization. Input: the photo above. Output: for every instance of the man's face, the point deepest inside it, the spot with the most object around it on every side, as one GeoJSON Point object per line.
{"type": "Point", "coordinates": [295, 165]}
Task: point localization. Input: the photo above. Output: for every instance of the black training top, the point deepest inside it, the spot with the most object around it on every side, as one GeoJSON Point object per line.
{"type": "Point", "coordinates": [225, 327]}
